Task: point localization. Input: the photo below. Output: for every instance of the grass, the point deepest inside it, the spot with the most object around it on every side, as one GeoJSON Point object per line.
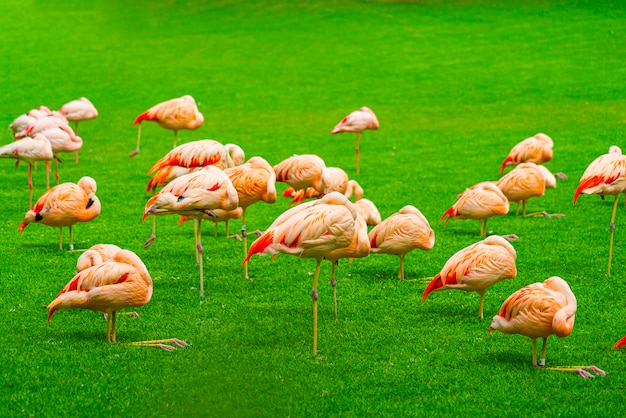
{"type": "Point", "coordinates": [455, 85]}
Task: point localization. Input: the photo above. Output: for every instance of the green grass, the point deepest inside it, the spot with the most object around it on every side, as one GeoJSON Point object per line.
{"type": "Point", "coordinates": [454, 84]}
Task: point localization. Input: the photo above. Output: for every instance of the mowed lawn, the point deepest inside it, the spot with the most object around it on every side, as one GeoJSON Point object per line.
{"type": "Point", "coordinates": [455, 86]}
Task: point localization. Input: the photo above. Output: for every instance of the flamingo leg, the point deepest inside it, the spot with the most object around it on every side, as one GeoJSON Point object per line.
{"type": "Point", "coordinates": [161, 343]}
{"type": "Point", "coordinates": [60, 238]}
{"type": "Point", "coordinates": [517, 209]}
{"type": "Point", "coordinates": [333, 283]}
{"type": "Point", "coordinates": [215, 233]}
{"type": "Point", "coordinates": [358, 139]}
{"type": "Point", "coordinates": [483, 227]}
{"type": "Point", "coordinates": [199, 248]}
{"type": "Point", "coordinates": [244, 237]}
{"type": "Point", "coordinates": [153, 235]}
{"type": "Point", "coordinates": [30, 184]}
{"type": "Point", "coordinates": [108, 317]}
{"type": "Point", "coordinates": [56, 168]}
{"type": "Point", "coordinates": [480, 307]}
{"type": "Point", "coordinates": [175, 138]}
{"type": "Point", "coordinates": [580, 370]}
{"type": "Point", "coordinates": [612, 229]}
{"type": "Point", "coordinates": [47, 175]}
{"type": "Point", "coordinates": [542, 359]}
{"type": "Point", "coordinates": [226, 228]}
{"type": "Point", "coordinates": [314, 297]}
{"type": "Point", "coordinates": [524, 208]}
{"type": "Point", "coordinates": [195, 237]}
{"type": "Point", "coordinates": [136, 151]}
{"type": "Point", "coordinates": [71, 239]}
{"type": "Point", "coordinates": [401, 270]}
{"type": "Point", "coordinates": [114, 327]}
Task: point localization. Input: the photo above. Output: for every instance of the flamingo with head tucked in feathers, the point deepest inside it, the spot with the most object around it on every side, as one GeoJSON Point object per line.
{"type": "Point", "coordinates": [78, 110]}
{"type": "Point", "coordinates": [606, 175]}
{"type": "Point", "coordinates": [357, 122]}
{"type": "Point", "coordinates": [538, 311]}
{"type": "Point", "coordinates": [194, 195]}
{"type": "Point", "coordinates": [401, 233]}
{"type": "Point", "coordinates": [536, 149]}
{"type": "Point", "coordinates": [476, 268]}
{"type": "Point", "coordinates": [303, 171]}
{"type": "Point", "coordinates": [254, 181]}
{"type": "Point", "coordinates": [175, 115]}
{"type": "Point", "coordinates": [328, 228]}
{"type": "Point", "coordinates": [481, 202]}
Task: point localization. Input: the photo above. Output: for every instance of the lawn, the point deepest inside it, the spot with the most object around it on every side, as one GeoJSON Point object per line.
{"type": "Point", "coordinates": [454, 85]}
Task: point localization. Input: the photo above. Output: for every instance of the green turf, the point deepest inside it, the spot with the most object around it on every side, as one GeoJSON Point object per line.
{"type": "Point", "coordinates": [454, 84]}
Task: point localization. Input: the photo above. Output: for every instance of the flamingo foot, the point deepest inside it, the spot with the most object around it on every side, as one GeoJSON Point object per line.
{"type": "Point", "coordinates": [236, 236]}
{"type": "Point", "coordinates": [560, 175]}
{"type": "Point", "coordinates": [150, 240]}
{"type": "Point", "coordinates": [71, 247]}
{"type": "Point", "coordinates": [582, 371]}
{"type": "Point", "coordinates": [133, 153]}
{"type": "Point", "coordinates": [160, 344]}
{"type": "Point", "coordinates": [510, 237]}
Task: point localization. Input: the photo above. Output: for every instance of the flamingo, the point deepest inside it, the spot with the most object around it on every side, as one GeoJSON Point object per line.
{"type": "Point", "coordinates": [401, 233]}
{"type": "Point", "coordinates": [29, 149]}
{"type": "Point", "coordinates": [174, 114]}
{"type": "Point", "coordinates": [621, 343]}
{"type": "Point", "coordinates": [325, 228]}
{"type": "Point", "coordinates": [337, 181]}
{"type": "Point", "coordinates": [357, 122]}
{"type": "Point", "coordinates": [606, 175]}
{"type": "Point", "coordinates": [480, 202]}
{"type": "Point", "coordinates": [187, 158]}
{"type": "Point", "coordinates": [194, 195]}
{"type": "Point", "coordinates": [522, 183]}
{"type": "Point", "coordinates": [190, 157]}
{"type": "Point", "coordinates": [78, 111]}
{"type": "Point", "coordinates": [476, 268]}
{"type": "Point", "coordinates": [121, 282]}
{"type": "Point", "coordinates": [536, 149]}
{"type": "Point", "coordinates": [65, 205]}
{"type": "Point", "coordinates": [538, 311]}
{"type": "Point", "coordinates": [21, 122]}
{"type": "Point", "coordinates": [368, 211]}
{"type": "Point", "coordinates": [254, 181]}
{"type": "Point", "coordinates": [303, 171]}
{"type": "Point", "coordinates": [95, 255]}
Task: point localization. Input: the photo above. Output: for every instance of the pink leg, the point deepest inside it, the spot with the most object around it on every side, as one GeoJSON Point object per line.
{"type": "Point", "coordinates": [30, 184]}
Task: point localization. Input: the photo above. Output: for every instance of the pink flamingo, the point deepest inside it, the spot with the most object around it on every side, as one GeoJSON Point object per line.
{"type": "Point", "coordinates": [357, 122]}
{"type": "Point", "coordinates": [31, 150]}
{"type": "Point", "coordinates": [174, 114]}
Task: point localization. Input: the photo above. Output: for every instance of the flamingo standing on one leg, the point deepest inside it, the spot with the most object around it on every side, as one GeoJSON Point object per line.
{"type": "Point", "coordinates": [538, 311]}
{"type": "Point", "coordinates": [194, 195]}
{"type": "Point", "coordinates": [357, 122]}
{"type": "Point", "coordinates": [312, 230]}
{"type": "Point", "coordinates": [536, 149]}
{"type": "Point", "coordinates": [606, 175]}
{"type": "Point", "coordinates": [476, 268]}
{"type": "Point", "coordinates": [30, 150]}
{"type": "Point", "coordinates": [480, 202]}
{"type": "Point", "coordinates": [78, 111]}
{"type": "Point", "coordinates": [174, 114]}
{"type": "Point", "coordinates": [301, 172]}
{"type": "Point", "coordinates": [254, 181]}
{"type": "Point", "coordinates": [522, 183]}
{"type": "Point", "coordinates": [401, 233]}
{"type": "Point", "coordinates": [65, 205]}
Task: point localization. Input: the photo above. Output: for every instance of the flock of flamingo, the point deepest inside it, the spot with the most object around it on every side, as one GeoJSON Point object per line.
{"type": "Point", "coordinates": [205, 180]}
